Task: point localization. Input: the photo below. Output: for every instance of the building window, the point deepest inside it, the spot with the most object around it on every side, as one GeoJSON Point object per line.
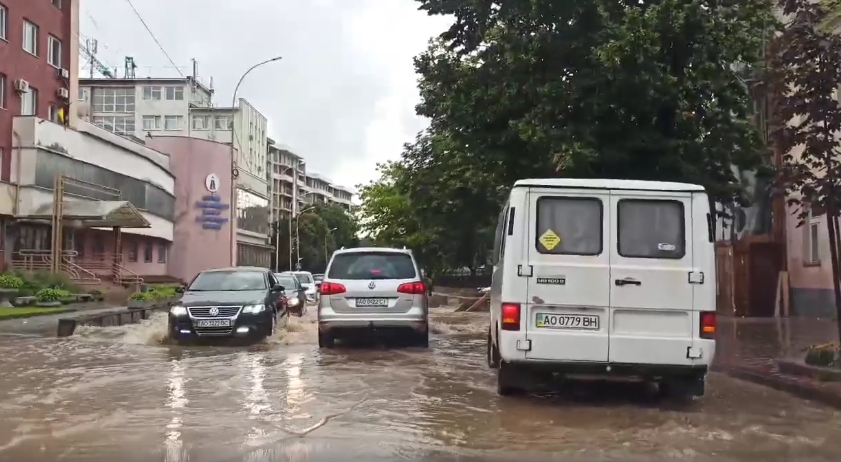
{"type": "Point", "coordinates": [147, 253]}
{"type": "Point", "coordinates": [83, 94]}
{"type": "Point", "coordinates": [30, 37]}
{"type": "Point", "coordinates": [53, 113]}
{"type": "Point", "coordinates": [811, 240]}
{"type": "Point", "coordinates": [151, 123]}
{"type": "Point", "coordinates": [172, 122]}
{"type": "Point", "coordinates": [57, 4]}
{"type": "Point", "coordinates": [113, 100]}
{"type": "Point", "coordinates": [132, 252]}
{"type": "Point", "coordinates": [123, 125]}
{"type": "Point", "coordinates": [54, 56]}
{"type": "Point", "coordinates": [29, 102]}
{"type": "Point", "coordinates": [174, 93]}
{"type": "Point", "coordinates": [201, 122]}
{"type": "Point", "coordinates": [152, 93]}
{"type": "Point", "coordinates": [4, 21]}
{"type": "Point", "coordinates": [2, 90]}
{"type": "Point", "coordinates": [162, 254]}
{"type": "Point", "coordinates": [222, 123]}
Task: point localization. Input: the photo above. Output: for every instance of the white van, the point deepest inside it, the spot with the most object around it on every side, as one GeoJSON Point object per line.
{"type": "Point", "coordinates": [605, 278]}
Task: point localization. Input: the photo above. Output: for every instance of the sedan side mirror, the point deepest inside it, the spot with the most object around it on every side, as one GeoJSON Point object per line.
{"type": "Point", "coordinates": [179, 289]}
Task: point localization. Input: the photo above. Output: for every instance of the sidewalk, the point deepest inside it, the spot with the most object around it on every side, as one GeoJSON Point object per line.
{"type": "Point", "coordinates": [747, 348]}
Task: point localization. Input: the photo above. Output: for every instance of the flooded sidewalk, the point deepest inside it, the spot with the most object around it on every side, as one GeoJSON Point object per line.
{"type": "Point", "coordinates": [749, 348]}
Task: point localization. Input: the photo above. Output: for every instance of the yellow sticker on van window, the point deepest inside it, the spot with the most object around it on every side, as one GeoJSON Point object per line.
{"type": "Point", "coordinates": [549, 239]}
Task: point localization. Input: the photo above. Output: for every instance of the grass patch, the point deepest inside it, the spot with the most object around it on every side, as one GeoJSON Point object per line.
{"type": "Point", "coordinates": [29, 311]}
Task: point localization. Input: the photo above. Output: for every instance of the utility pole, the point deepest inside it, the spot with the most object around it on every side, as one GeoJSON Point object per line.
{"type": "Point", "coordinates": [295, 166]}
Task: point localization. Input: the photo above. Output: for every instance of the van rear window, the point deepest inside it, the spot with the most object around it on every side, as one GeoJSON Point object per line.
{"type": "Point", "coordinates": [569, 225]}
{"type": "Point", "coordinates": [651, 229]}
{"type": "Point", "coordinates": [372, 265]}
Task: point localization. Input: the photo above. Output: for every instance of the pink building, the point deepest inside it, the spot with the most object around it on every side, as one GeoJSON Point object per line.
{"type": "Point", "coordinates": [202, 227]}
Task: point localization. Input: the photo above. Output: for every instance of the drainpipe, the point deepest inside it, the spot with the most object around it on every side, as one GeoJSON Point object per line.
{"type": "Point", "coordinates": [16, 207]}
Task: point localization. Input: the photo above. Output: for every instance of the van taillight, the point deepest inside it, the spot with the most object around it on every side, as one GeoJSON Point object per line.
{"type": "Point", "coordinates": [708, 324]}
{"type": "Point", "coordinates": [331, 288]}
{"type": "Point", "coordinates": [510, 316]}
{"type": "Point", "coordinates": [414, 288]}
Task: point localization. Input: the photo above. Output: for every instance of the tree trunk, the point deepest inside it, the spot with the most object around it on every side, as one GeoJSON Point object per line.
{"type": "Point", "coordinates": [831, 214]}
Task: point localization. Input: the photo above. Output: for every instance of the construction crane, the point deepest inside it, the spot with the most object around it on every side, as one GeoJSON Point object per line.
{"type": "Point", "coordinates": [89, 49]}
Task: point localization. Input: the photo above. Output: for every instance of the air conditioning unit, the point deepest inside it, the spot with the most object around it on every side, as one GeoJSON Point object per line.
{"type": "Point", "coordinates": [63, 73]}
{"type": "Point", "coordinates": [63, 93]}
{"type": "Point", "coordinates": [21, 85]}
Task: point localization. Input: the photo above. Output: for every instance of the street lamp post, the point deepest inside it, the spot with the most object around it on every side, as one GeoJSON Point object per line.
{"type": "Point", "coordinates": [298, 234]}
{"type": "Point", "coordinates": [326, 256]}
{"type": "Point", "coordinates": [234, 169]}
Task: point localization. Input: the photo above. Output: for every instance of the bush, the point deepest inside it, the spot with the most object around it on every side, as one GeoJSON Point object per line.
{"type": "Point", "coordinates": [141, 296]}
{"type": "Point", "coordinates": [52, 295]}
{"type": "Point", "coordinates": [826, 355]}
{"type": "Point", "coordinates": [47, 280]}
{"type": "Point", "coordinates": [11, 281]}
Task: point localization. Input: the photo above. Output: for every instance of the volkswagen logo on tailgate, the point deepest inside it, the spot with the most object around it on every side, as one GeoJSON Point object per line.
{"type": "Point", "coordinates": [371, 285]}
{"type": "Point", "coordinates": [214, 311]}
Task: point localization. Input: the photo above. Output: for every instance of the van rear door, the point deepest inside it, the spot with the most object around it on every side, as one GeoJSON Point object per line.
{"type": "Point", "coordinates": [568, 297]}
{"type": "Point", "coordinates": [651, 289]}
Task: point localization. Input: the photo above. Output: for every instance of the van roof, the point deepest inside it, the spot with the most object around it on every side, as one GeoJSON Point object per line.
{"type": "Point", "coordinates": [585, 183]}
{"type": "Point", "coordinates": [374, 249]}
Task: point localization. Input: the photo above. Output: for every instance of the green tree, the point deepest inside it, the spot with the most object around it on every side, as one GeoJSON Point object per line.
{"type": "Point", "coordinates": [807, 66]}
{"type": "Point", "coordinates": [344, 225]}
{"type": "Point", "coordinates": [597, 88]}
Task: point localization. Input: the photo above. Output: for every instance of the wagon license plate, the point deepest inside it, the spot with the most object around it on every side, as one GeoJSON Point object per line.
{"type": "Point", "coordinates": [213, 323]}
{"type": "Point", "coordinates": [371, 302]}
{"type": "Point", "coordinates": [567, 321]}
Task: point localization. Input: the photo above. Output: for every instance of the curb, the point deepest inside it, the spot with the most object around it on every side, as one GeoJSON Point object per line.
{"type": "Point", "coordinates": [35, 315]}
{"type": "Point", "coordinates": [782, 384]}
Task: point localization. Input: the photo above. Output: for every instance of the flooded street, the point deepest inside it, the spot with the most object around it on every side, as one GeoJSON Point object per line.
{"type": "Point", "coordinates": [109, 394]}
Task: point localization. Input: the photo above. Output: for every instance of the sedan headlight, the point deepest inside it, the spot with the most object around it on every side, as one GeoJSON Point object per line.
{"type": "Point", "coordinates": [178, 311]}
{"type": "Point", "coordinates": [253, 308]}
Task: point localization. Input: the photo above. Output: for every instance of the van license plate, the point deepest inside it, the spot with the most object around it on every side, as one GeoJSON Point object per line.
{"type": "Point", "coordinates": [567, 321]}
{"type": "Point", "coordinates": [371, 302]}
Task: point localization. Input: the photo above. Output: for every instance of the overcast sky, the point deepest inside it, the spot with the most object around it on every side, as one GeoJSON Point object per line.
{"type": "Point", "coordinates": [344, 94]}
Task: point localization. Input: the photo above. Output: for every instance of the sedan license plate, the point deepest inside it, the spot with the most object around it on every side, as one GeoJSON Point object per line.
{"type": "Point", "coordinates": [213, 323]}
{"type": "Point", "coordinates": [371, 302]}
{"type": "Point", "coordinates": [567, 321]}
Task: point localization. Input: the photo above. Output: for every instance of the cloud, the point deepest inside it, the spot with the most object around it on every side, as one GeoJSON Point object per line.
{"type": "Point", "coordinates": [344, 94]}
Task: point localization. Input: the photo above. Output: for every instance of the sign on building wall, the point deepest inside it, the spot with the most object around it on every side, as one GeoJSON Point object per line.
{"type": "Point", "coordinates": [211, 207]}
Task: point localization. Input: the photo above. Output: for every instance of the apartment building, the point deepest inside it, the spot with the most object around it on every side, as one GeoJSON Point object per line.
{"type": "Point", "coordinates": [293, 189]}
{"type": "Point", "coordinates": [39, 60]}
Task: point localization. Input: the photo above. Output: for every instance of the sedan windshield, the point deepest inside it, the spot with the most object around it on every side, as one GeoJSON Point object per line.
{"type": "Point", "coordinates": [288, 282]}
{"type": "Point", "coordinates": [304, 278]}
{"type": "Point", "coordinates": [228, 281]}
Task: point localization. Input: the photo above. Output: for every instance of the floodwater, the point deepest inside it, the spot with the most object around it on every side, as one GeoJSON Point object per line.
{"type": "Point", "coordinates": [124, 394]}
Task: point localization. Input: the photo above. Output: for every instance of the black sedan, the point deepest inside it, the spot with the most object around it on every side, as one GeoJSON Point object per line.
{"type": "Point", "coordinates": [296, 294]}
{"type": "Point", "coordinates": [242, 302]}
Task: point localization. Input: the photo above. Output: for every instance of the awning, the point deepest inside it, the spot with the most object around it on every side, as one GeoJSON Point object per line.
{"type": "Point", "coordinates": [95, 214]}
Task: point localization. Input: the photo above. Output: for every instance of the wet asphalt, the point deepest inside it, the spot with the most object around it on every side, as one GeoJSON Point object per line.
{"type": "Point", "coordinates": [123, 393]}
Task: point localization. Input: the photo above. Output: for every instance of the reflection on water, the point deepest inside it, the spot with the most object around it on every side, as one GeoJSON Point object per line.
{"type": "Point", "coordinates": [177, 401]}
{"type": "Point", "coordinates": [295, 389]}
{"type": "Point", "coordinates": [256, 401]}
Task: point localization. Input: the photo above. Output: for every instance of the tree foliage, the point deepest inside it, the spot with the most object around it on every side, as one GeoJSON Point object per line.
{"type": "Point", "coordinates": [321, 231]}
{"type": "Point", "coordinates": [807, 67]}
{"type": "Point", "coordinates": [576, 88]}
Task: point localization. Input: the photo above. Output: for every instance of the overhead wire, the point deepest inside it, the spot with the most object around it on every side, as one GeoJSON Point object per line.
{"type": "Point", "coordinates": [152, 34]}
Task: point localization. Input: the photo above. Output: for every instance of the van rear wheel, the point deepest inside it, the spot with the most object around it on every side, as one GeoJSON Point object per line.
{"type": "Point", "coordinates": [508, 380]}
{"type": "Point", "coordinates": [493, 353]}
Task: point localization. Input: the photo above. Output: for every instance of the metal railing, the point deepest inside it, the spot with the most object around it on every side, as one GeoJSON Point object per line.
{"type": "Point", "coordinates": [32, 260]}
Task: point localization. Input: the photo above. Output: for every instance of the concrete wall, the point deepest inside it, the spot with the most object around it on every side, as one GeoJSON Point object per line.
{"type": "Point", "coordinates": [811, 282]}
{"type": "Point", "coordinates": [196, 249]}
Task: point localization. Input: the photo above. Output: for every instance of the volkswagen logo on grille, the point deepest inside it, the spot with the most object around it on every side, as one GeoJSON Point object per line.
{"type": "Point", "coordinates": [371, 285]}
{"type": "Point", "coordinates": [214, 311]}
